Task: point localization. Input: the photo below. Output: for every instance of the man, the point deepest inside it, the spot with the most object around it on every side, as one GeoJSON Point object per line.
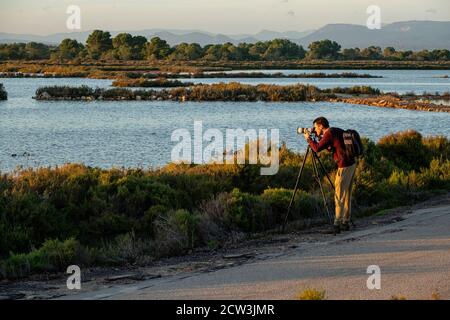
{"type": "Point", "coordinates": [332, 140]}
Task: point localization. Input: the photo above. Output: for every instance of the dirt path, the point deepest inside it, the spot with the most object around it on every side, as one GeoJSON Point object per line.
{"type": "Point", "coordinates": [411, 245]}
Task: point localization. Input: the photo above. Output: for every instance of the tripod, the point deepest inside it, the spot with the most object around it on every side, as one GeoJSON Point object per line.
{"type": "Point", "coordinates": [316, 164]}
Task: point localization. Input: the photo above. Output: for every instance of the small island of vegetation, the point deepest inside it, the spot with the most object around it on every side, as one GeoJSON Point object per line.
{"type": "Point", "coordinates": [3, 93]}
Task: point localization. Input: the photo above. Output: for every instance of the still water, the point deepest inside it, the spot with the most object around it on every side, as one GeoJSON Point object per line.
{"type": "Point", "coordinates": [138, 133]}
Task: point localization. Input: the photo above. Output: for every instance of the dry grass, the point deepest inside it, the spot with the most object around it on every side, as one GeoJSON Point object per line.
{"type": "Point", "coordinates": [311, 294]}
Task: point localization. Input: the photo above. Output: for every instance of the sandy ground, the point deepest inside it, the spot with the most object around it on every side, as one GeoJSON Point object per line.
{"type": "Point", "coordinates": [411, 245]}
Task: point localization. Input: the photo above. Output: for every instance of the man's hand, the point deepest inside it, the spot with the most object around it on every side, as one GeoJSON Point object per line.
{"type": "Point", "coordinates": [306, 135]}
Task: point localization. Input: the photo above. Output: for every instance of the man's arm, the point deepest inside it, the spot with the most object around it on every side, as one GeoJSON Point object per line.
{"type": "Point", "coordinates": [324, 143]}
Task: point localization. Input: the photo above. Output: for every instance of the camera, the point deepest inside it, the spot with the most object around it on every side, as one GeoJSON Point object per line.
{"type": "Point", "coordinates": [311, 131]}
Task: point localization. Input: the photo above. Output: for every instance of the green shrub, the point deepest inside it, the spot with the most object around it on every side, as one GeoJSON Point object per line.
{"type": "Point", "coordinates": [405, 149]}
{"type": "Point", "coordinates": [54, 255]}
{"type": "Point", "coordinates": [304, 205]}
{"type": "Point", "coordinates": [249, 212]}
{"type": "Point", "coordinates": [178, 207]}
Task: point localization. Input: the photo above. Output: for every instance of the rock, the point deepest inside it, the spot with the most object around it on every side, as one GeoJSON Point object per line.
{"type": "Point", "coordinates": [138, 98]}
{"type": "Point", "coordinates": [45, 95]}
{"type": "Point", "coordinates": [133, 276]}
{"type": "Point", "coordinates": [129, 276]}
{"type": "Point", "coordinates": [12, 296]}
{"type": "Point", "coordinates": [239, 256]}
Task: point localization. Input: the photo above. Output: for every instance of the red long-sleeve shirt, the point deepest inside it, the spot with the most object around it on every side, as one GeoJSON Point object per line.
{"type": "Point", "coordinates": [333, 141]}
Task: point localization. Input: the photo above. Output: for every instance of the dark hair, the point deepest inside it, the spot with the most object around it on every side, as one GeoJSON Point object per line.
{"type": "Point", "coordinates": [323, 121]}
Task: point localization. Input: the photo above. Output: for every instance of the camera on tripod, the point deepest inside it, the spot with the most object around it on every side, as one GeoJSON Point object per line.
{"type": "Point", "coordinates": [305, 130]}
{"type": "Point", "coordinates": [311, 131]}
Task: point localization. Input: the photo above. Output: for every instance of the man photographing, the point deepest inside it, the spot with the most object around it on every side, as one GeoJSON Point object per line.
{"type": "Point", "coordinates": [333, 140]}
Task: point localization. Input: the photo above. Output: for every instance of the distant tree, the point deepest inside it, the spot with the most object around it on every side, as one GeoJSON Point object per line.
{"type": "Point", "coordinates": [213, 52]}
{"type": "Point", "coordinates": [227, 51]}
{"type": "Point", "coordinates": [139, 43]}
{"type": "Point", "coordinates": [423, 55]}
{"type": "Point", "coordinates": [123, 46]}
{"type": "Point", "coordinates": [157, 49]}
{"type": "Point", "coordinates": [440, 55]}
{"type": "Point", "coordinates": [12, 51]}
{"type": "Point", "coordinates": [283, 49]}
{"type": "Point", "coordinates": [37, 51]}
{"type": "Point", "coordinates": [122, 39]}
{"type": "Point", "coordinates": [258, 49]}
{"type": "Point", "coordinates": [68, 49]}
{"type": "Point", "coordinates": [324, 49]}
{"type": "Point", "coordinates": [371, 53]}
{"type": "Point", "coordinates": [187, 51]}
{"type": "Point", "coordinates": [98, 43]}
{"type": "Point", "coordinates": [243, 52]}
{"type": "Point", "coordinates": [388, 52]}
{"type": "Point", "coordinates": [351, 54]}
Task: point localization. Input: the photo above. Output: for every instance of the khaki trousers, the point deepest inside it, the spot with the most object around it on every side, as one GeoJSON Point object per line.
{"type": "Point", "coordinates": [343, 195]}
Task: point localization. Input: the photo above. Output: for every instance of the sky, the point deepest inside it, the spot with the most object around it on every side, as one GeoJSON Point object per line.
{"type": "Point", "coordinates": [217, 16]}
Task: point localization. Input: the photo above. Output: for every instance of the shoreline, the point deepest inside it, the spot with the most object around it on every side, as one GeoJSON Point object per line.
{"type": "Point", "coordinates": [116, 69]}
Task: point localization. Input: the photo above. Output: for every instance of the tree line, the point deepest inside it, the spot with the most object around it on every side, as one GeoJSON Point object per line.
{"type": "Point", "coordinates": [124, 46]}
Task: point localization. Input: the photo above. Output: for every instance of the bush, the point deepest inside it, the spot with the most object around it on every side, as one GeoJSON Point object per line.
{"type": "Point", "coordinates": [3, 93]}
{"type": "Point", "coordinates": [54, 255]}
{"type": "Point", "coordinates": [157, 83]}
{"type": "Point", "coordinates": [233, 91]}
{"type": "Point", "coordinates": [248, 212]}
{"type": "Point", "coordinates": [311, 294]}
{"type": "Point", "coordinates": [122, 215]}
{"type": "Point", "coordinates": [405, 149]}
{"type": "Point", "coordinates": [304, 205]}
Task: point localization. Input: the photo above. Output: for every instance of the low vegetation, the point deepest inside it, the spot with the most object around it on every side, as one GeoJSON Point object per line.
{"type": "Point", "coordinates": [251, 75]}
{"type": "Point", "coordinates": [312, 294]}
{"type": "Point", "coordinates": [51, 217]}
{"type": "Point", "coordinates": [232, 91]}
{"type": "Point", "coordinates": [156, 83]}
{"type": "Point", "coordinates": [3, 93]}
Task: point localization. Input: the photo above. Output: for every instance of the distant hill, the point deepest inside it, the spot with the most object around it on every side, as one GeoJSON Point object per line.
{"type": "Point", "coordinates": [407, 35]}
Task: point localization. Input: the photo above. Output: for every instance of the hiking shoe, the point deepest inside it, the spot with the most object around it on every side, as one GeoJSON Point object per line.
{"type": "Point", "coordinates": [335, 229]}
{"type": "Point", "coordinates": [345, 226]}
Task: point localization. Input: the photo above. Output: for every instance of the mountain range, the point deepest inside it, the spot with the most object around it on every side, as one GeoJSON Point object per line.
{"type": "Point", "coordinates": [406, 35]}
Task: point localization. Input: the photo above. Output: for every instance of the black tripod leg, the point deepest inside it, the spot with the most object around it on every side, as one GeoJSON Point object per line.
{"type": "Point", "coordinates": [316, 170]}
{"type": "Point", "coordinates": [295, 190]}
{"type": "Point", "coordinates": [324, 171]}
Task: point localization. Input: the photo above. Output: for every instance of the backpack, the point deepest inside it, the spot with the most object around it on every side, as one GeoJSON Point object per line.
{"type": "Point", "coordinates": [353, 145]}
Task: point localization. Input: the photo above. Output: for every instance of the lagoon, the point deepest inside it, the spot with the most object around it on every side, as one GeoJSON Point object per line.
{"type": "Point", "coordinates": [137, 133]}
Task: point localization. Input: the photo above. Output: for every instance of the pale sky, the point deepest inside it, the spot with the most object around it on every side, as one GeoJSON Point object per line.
{"type": "Point", "coordinates": [217, 16]}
